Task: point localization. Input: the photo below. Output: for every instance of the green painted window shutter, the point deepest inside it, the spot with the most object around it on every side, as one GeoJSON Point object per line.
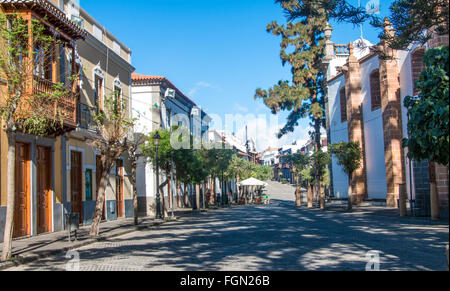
{"type": "Point", "coordinates": [88, 184]}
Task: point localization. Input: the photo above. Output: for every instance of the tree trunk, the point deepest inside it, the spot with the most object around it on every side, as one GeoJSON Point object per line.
{"type": "Point", "coordinates": [169, 196]}
{"type": "Point", "coordinates": [205, 188]}
{"type": "Point", "coordinates": [10, 196]}
{"type": "Point", "coordinates": [298, 196]}
{"type": "Point", "coordinates": [350, 194]}
{"type": "Point", "coordinates": [107, 164]}
{"type": "Point", "coordinates": [163, 199]}
{"type": "Point", "coordinates": [314, 193]}
{"type": "Point", "coordinates": [230, 193]}
{"type": "Point", "coordinates": [434, 195]}
{"type": "Point", "coordinates": [213, 191]}
{"type": "Point", "coordinates": [403, 197]}
{"type": "Point", "coordinates": [318, 193]}
{"type": "Point", "coordinates": [185, 196]}
{"type": "Point", "coordinates": [298, 192]}
{"type": "Point", "coordinates": [178, 193]}
{"type": "Point", "coordinates": [237, 189]}
{"type": "Point", "coordinates": [197, 197]}
{"type": "Point", "coordinates": [322, 198]}
{"type": "Point", "coordinates": [310, 196]}
{"type": "Point", "coordinates": [135, 199]}
{"type": "Point", "coordinates": [434, 201]}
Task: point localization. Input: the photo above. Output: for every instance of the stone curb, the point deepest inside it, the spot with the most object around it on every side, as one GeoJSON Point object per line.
{"type": "Point", "coordinates": [26, 259]}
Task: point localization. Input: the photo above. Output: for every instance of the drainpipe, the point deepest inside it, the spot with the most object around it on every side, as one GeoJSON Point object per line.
{"type": "Point", "coordinates": [64, 177]}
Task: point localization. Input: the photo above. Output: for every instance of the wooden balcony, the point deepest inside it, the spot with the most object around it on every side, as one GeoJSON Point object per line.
{"type": "Point", "coordinates": [66, 107]}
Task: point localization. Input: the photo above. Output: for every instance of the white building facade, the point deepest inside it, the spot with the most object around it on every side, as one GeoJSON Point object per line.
{"type": "Point", "coordinates": [155, 110]}
{"type": "Point", "coordinates": [366, 96]}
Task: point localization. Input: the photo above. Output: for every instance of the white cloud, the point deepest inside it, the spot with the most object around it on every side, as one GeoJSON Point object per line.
{"type": "Point", "coordinates": [197, 86]}
{"type": "Point", "coordinates": [264, 131]}
{"type": "Point", "coordinates": [240, 108]}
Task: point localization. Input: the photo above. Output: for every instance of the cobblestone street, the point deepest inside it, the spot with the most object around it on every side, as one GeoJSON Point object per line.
{"type": "Point", "coordinates": [269, 238]}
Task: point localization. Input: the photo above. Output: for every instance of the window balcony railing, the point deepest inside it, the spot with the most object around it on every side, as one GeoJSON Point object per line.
{"type": "Point", "coordinates": [66, 106]}
{"type": "Point", "coordinates": [86, 115]}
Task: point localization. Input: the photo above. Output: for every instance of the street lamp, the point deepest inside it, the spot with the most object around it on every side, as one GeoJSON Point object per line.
{"type": "Point", "coordinates": [157, 143]}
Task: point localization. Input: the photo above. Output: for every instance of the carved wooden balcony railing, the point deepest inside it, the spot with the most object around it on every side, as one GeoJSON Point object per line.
{"type": "Point", "coordinates": [66, 106]}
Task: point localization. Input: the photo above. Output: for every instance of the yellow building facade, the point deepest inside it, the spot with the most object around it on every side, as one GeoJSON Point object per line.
{"type": "Point", "coordinates": [38, 164]}
{"type": "Point", "coordinates": [70, 161]}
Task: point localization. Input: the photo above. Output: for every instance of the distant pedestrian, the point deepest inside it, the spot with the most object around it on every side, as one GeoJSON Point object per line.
{"type": "Point", "coordinates": [266, 199]}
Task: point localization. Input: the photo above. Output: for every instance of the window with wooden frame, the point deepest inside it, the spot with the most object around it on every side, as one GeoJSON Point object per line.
{"type": "Point", "coordinates": [343, 99]}
{"type": "Point", "coordinates": [417, 67]}
{"type": "Point", "coordinates": [375, 90]}
{"type": "Point", "coordinates": [118, 96]}
{"type": "Point", "coordinates": [43, 59]}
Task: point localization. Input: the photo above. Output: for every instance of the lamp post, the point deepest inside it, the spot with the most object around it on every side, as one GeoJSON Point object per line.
{"type": "Point", "coordinates": [157, 142]}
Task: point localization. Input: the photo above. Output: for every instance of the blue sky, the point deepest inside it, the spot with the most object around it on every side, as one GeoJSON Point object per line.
{"type": "Point", "coordinates": [216, 51]}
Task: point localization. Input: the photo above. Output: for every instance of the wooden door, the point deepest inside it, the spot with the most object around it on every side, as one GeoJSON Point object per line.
{"type": "Point", "coordinates": [76, 187]}
{"type": "Point", "coordinates": [22, 192]}
{"type": "Point", "coordinates": [44, 189]}
{"type": "Point", "coordinates": [119, 188]}
{"type": "Point", "coordinates": [98, 176]}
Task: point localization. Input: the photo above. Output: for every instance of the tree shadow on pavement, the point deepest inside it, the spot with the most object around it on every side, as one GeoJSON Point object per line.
{"type": "Point", "coordinates": [279, 237]}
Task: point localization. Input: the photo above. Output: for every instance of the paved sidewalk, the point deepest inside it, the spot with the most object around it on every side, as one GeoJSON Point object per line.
{"type": "Point", "coordinates": [275, 237]}
{"type": "Point", "coordinates": [285, 193]}
{"type": "Point", "coordinates": [37, 247]}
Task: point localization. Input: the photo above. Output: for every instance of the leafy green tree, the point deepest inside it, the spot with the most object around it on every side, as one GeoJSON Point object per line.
{"type": "Point", "coordinates": [299, 162]}
{"type": "Point", "coordinates": [319, 164]}
{"type": "Point", "coordinates": [134, 154]}
{"type": "Point", "coordinates": [307, 175]}
{"type": "Point", "coordinates": [262, 173]}
{"type": "Point", "coordinates": [239, 169]}
{"type": "Point", "coordinates": [429, 113]}
{"type": "Point", "coordinates": [165, 150]}
{"type": "Point", "coordinates": [198, 174]}
{"type": "Point", "coordinates": [218, 161]}
{"type": "Point", "coordinates": [116, 129]}
{"type": "Point", "coordinates": [183, 158]}
{"type": "Point", "coordinates": [349, 158]}
{"type": "Point", "coordinates": [414, 21]}
{"type": "Point", "coordinates": [302, 47]}
{"type": "Point", "coordinates": [25, 46]}
{"type": "Point", "coordinates": [165, 154]}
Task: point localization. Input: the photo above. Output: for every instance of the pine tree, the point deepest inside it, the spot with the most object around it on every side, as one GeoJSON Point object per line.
{"type": "Point", "coordinates": [302, 47]}
{"type": "Point", "coordinates": [416, 21]}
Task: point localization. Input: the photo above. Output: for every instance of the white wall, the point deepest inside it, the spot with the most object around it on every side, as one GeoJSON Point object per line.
{"type": "Point", "coordinates": [407, 89]}
{"type": "Point", "coordinates": [143, 101]}
{"type": "Point", "coordinates": [373, 134]}
{"type": "Point", "coordinates": [339, 133]}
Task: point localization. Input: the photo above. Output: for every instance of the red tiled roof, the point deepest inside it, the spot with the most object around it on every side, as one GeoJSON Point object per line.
{"type": "Point", "coordinates": [139, 78]}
